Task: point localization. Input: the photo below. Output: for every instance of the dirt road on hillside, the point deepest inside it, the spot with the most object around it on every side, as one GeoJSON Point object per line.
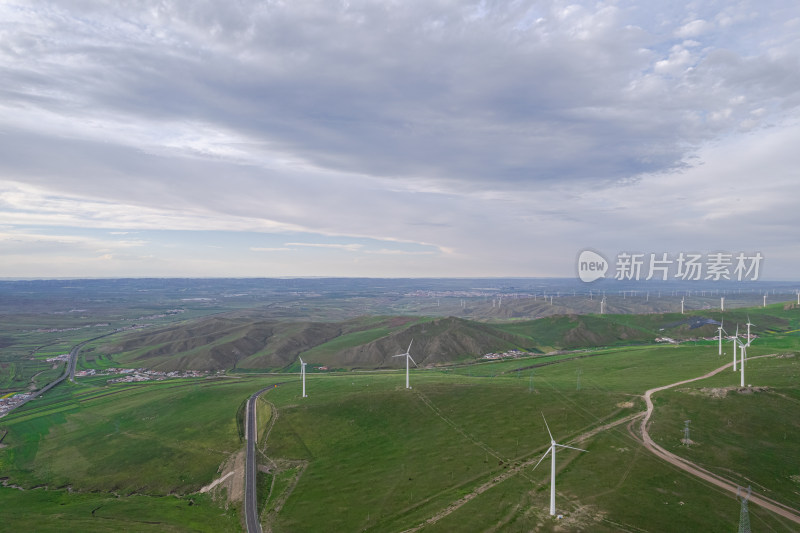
{"type": "Point", "coordinates": [767, 503]}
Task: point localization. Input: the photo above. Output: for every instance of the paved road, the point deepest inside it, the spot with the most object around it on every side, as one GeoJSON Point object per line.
{"type": "Point", "coordinates": [73, 361]}
{"type": "Point", "coordinates": [251, 466]}
{"type": "Point", "coordinates": [69, 371]}
{"type": "Point", "coordinates": [688, 466]}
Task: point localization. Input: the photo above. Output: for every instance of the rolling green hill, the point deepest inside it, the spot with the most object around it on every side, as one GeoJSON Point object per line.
{"type": "Point", "coordinates": [245, 343]}
{"type": "Point", "coordinates": [221, 343]}
{"type": "Point", "coordinates": [437, 341]}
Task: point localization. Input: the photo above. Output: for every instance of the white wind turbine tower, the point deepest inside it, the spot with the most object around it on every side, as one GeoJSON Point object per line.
{"type": "Point", "coordinates": [603, 305]}
{"type": "Point", "coordinates": [682, 300]}
{"type": "Point", "coordinates": [720, 335]}
{"type": "Point", "coordinates": [735, 346]}
{"type": "Point", "coordinates": [743, 351]}
{"type": "Point", "coordinates": [743, 347]}
{"type": "Point", "coordinates": [765, 300]}
{"type": "Point", "coordinates": [722, 303]}
{"type": "Point", "coordinates": [408, 357]}
{"type": "Point", "coordinates": [748, 330]}
{"type": "Point", "coordinates": [303, 375]}
{"type": "Point", "coordinates": [552, 451]}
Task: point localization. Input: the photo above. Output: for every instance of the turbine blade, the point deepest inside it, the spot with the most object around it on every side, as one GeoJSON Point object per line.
{"type": "Point", "coordinates": [548, 429]}
{"type": "Point", "coordinates": [542, 459]}
{"type": "Point", "coordinates": [412, 360]}
{"type": "Point", "coordinates": [409, 346]}
{"type": "Point", "coordinates": [301, 360]}
{"type": "Point", "coordinates": [571, 447]}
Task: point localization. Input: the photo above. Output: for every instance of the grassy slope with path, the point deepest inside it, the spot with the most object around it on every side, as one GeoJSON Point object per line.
{"type": "Point", "coordinates": [372, 442]}
{"type": "Point", "coordinates": [749, 438]}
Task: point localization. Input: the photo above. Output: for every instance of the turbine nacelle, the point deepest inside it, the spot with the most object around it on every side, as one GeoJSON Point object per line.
{"type": "Point", "coordinates": [408, 353]}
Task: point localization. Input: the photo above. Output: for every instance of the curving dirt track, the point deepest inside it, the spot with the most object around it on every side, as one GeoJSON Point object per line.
{"type": "Point", "coordinates": [767, 503]}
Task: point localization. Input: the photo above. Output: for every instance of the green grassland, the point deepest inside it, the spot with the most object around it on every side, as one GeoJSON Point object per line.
{"type": "Point", "coordinates": [58, 510]}
{"type": "Point", "coordinates": [379, 457]}
{"type": "Point", "coordinates": [363, 453]}
{"type": "Point", "coordinates": [159, 438]}
{"type": "Point", "coordinates": [145, 447]}
{"type": "Point", "coordinates": [405, 455]}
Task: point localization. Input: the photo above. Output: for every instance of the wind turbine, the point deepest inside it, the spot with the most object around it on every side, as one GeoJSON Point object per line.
{"type": "Point", "coordinates": [735, 342]}
{"type": "Point", "coordinates": [722, 303]}
{"type": "Point", "coordinates": [743, 347]}
{"type": "Point", "coordinates": [720, 335]}
{"type": "Point", "coordinates": [408, 357]}
{"type": "Point", "coordinates": [682, 300]}
{"type": "Point", "coordinates": [552, 449]}
{"type": "Point", "coordinates": [748, 329]}
{"type": "Point", "coordinates": [303, 375]}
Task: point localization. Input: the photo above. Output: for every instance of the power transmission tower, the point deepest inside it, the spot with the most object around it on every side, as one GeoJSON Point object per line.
{"type": "Point", "coordinates": [744, 514]}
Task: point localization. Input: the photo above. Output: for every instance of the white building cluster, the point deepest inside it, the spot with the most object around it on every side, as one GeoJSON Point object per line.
{"type": "Point", "coordinates": [9, 403]}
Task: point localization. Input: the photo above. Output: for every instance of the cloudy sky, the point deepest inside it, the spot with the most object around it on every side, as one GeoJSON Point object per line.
{"type": "Point", "coordinates": [395, 138]}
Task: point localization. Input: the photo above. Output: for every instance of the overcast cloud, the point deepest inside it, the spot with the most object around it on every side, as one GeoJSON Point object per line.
{"type": "Point", "coordinates": [431, 138]}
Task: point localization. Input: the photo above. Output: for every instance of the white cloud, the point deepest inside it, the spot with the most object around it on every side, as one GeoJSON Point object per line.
{"type": "Point", "coordinates": [385, 251]}
{"type": "Point", "coordinates": [444, 135]}
{"type": "Point", "coordinates": [347, 247]}
{"type": "Point", "coordinates": [692, 29]}
{"type": "Point", "coordinates": [679, 59]}
{"type": "Point", "coordinates": [274, 249]}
